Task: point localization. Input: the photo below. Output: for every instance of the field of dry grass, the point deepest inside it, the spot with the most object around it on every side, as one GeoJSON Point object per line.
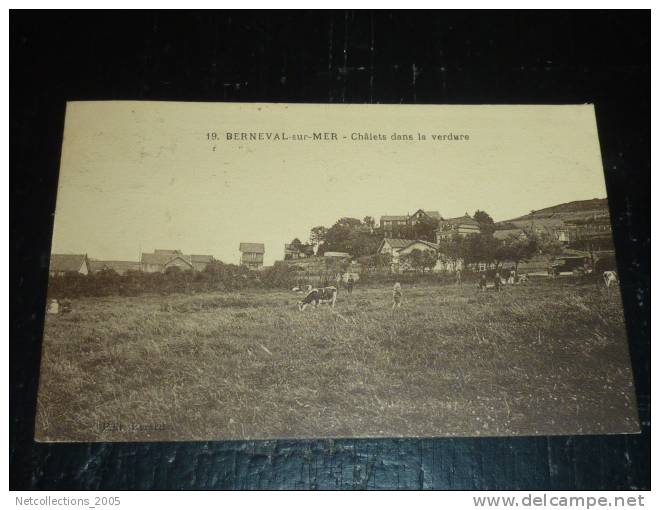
{"type": "Point", "coordinates": [544, 358]}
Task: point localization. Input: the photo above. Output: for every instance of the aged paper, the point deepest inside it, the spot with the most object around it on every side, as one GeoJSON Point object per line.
{"type": "Point", "coordinates": [242, 271]}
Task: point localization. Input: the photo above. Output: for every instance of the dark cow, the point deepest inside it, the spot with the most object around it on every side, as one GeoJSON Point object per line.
{"type": "Point", "coordinates": [316, 296]}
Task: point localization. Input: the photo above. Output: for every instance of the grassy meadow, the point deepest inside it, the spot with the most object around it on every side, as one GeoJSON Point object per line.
{"type": "Point", "coordinates": [547, 357]}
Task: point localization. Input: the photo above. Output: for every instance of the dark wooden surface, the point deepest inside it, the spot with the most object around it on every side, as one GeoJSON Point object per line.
{"type": "Point", "coordinates": [437, 57]}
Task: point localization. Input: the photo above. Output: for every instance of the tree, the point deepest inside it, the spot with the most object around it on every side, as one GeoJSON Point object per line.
{"type": "Point", "coordinates": [348, 222]}
{"type": "Point", "coordinates": [425, 229]}
{"type": "Point", "coordinates": [486, 223]}
{"type": "Point", "coordinates": [363, 243]}
{"type": "Point", "coordinates": [384, 260]}
{"type": "Point", "coordinates": [522, 249]}
{"type": "Point", "coordinates": [317, 235]}
{"type": "Point", "coordinates": [416, 259]}
{"type": "Point", "coordinates": [480, 248]}
{"type": "Point", "coordinates": [429, 259]}
{"type": "Point", "coordinates": [340, 236]}
{"type": "Point", "coordinates": [321, 249]}
{"type": "Point", "coordinates": [279, 275]}
{"type": "Point", "coordinates": [454, 247]}
{"type": "Point", "coordinates": [369, 221]}
{"type": "Point", "coordinates": [551, 248]}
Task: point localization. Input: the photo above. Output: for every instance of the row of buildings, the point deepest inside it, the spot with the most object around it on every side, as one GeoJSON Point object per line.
{"type": "Point", "coordinates": [592, 233]}
{"type": "Point", "coordinates": [252, 256]}
{"type": "Point", "coordinates": [398, 239]}
{"type": "Point", "coordinates": [158, 261]}
{"type": "Point", "coordinates": [592, 228]}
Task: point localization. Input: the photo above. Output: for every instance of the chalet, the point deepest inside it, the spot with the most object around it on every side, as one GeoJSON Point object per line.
{"type": "Point", "coordinates": [463, 226]}
{"type": "Point", "coordinates": [395, 226]}
{"type": "Point", "coordinates": [200, 262]}
{"type": "Point", "coordinates": [398, 247]}
{"type": "Point", "coordinates": [252, 255]}
{"type": "Point", "coordinates": [118, 266]}
{"type": "Point", "coordinates": [591, 233]}
{"type": "Point", "coordinates": [61, 264]}
{"type": "Point", "coordinates": [592, 228]}
{"type": "Point", "coordinates": [390, 246]}
{"type": "Point", "coordinates": [293, 252]}
{"type": "Point", "coordinates": [417, 245]}
{"type": "Point", "coordinates": [160, 260]}
{"type": "Point", "coordinates": [421, 215]}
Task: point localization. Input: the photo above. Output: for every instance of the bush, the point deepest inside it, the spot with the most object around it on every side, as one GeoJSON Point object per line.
{"type": "Point", "coordinates": [216, 277]}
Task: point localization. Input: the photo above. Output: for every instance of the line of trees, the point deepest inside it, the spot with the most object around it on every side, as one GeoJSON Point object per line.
{"type": "Point", "coordinates": [361, 239]}
{"type": "Point", "coordinates": [485, 248]}
{"type": "Point", "coordinates": [350, 235]}
{"type": "Point", "coordinates": [217, 276]}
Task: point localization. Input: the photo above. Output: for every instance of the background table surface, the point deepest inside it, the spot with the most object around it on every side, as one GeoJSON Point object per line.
{"type": "Point", "coordinates": [381, 57]}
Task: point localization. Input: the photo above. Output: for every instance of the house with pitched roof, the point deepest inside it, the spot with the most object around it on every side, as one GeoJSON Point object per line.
{"type": "Point", "coordinates": [463, 226]}
{"type": "Point", "coordinates": [252, 255]}
{"type": "Point", "coordinates": [200, 262]}
{"type": "Point", "coordinates": [421, 215]}
{"type": "Point", "coordinates": [390, 246]}
{"type": "Point", "coordinates": [160, 260]}
{"type": "Point", "coordinates": [394, 227]}
{"type": "Point", "coordinates": [400, 247]}
{"type": "Point", "coordinates": [401, 226]}
{"type": "Point", "coordinates": [293, 252]}
{"type": "Point", "coordinates": [61, 264]}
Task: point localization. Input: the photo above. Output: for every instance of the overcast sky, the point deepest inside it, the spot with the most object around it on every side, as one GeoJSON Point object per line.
{"type": "Point", "coordinates": [140, 176]}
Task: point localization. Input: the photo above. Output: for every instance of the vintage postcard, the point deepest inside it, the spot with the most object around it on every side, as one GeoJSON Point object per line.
{"type": "Point", "coordinates": [248, 271]}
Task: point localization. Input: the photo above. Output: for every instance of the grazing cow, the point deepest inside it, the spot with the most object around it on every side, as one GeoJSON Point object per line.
{"type": "Point", "coordinates": [316, 296]}
{"type": "Point", "coordinates": [522, 278]}
{"type": "Point", "coordinates": [610, 278]}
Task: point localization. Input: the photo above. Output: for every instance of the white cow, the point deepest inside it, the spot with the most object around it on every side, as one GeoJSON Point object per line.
{"type": "Point", "coordinates": [610, 278]}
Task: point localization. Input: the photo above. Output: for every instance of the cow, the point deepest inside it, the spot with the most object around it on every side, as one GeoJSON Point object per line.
{"type": "Point", "coordinates": [610, 278]}
{"type": "Point", "coordinates": [522, 279]}
{"type": "Point", "coordinates": [317, 296]}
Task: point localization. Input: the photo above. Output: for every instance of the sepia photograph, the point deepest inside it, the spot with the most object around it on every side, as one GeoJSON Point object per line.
{"type": "Point", "coordinates": [262, 270]}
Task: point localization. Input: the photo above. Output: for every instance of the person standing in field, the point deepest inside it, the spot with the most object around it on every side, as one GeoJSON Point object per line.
{"type": "Point", "coordinates": [482, 282]}
{"type": "Point", "coordinates": [396, 296]}
{"type": "Point", "coordinates": [349, 284]}
{"type": "Point", "coordinates": [459, 277]}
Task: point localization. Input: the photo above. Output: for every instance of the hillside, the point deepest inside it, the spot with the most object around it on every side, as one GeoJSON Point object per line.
{"type": "Point", "coordinates": [556, 215]}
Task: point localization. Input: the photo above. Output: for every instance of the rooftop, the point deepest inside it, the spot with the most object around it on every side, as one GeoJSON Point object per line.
{"type": "Point", "coordinates": [466, 219]}
{"type": "Point", "coordinates": [397, 243]}
{"type": "Point", "coordinates": [66, 263]}
{"type": "Point", "coordinates": [252, 248]}
{"type": "Point", "coordinates": [394, 218]}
